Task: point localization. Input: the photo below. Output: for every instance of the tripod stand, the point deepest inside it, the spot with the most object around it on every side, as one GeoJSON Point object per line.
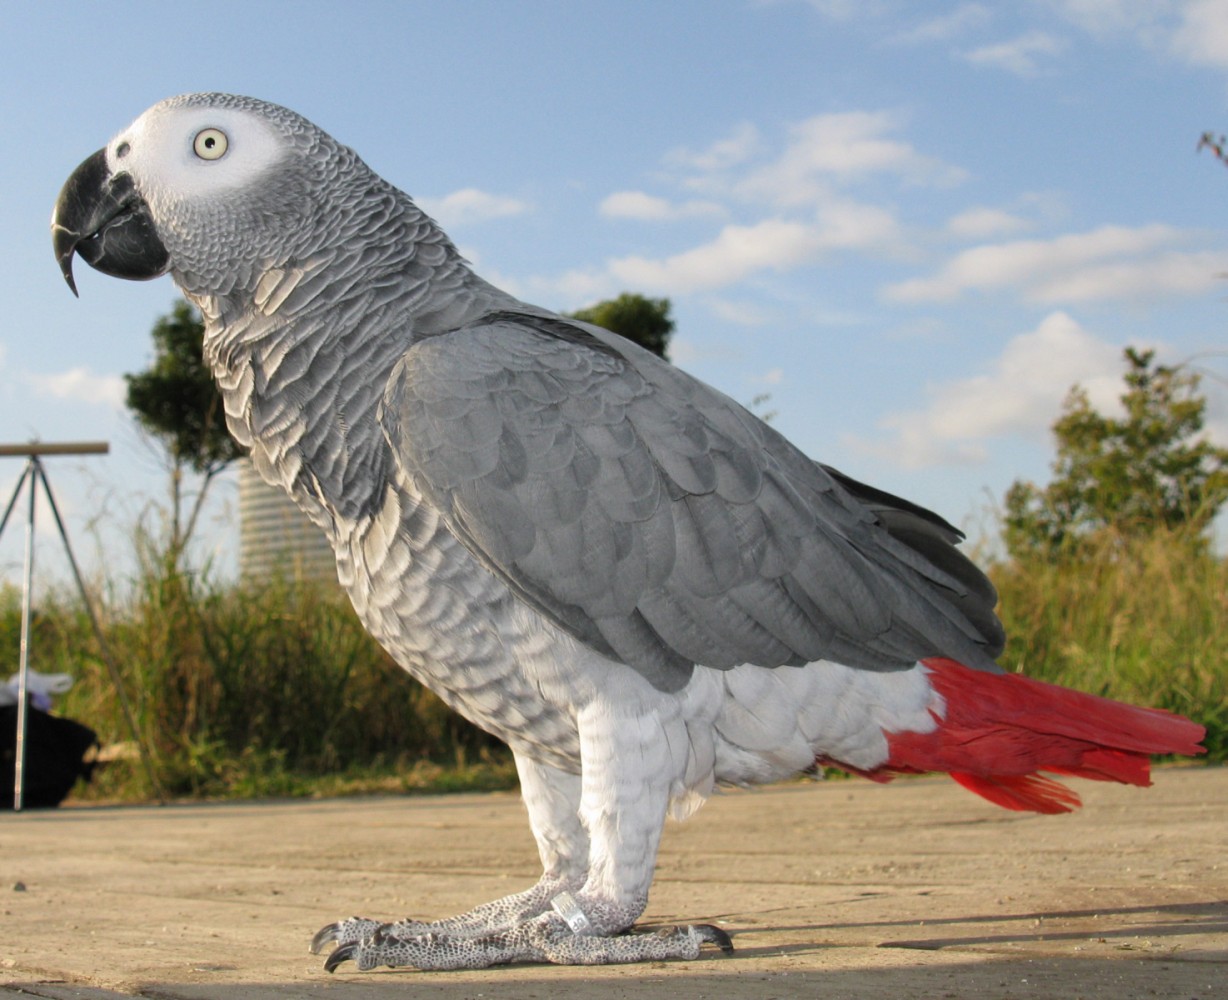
{"type": "Point", "coordinates": [35, 475]}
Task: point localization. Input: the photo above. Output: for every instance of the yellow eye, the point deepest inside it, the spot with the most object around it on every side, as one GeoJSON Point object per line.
{"type": "Point", "coordinates": [210, 144]}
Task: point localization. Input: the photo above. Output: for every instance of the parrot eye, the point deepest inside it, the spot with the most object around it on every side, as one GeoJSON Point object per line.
{"type": "Point", "coordinates": [210, 144]}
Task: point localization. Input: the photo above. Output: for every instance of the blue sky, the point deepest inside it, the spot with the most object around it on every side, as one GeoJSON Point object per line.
{"type": "Point", "coordinates": [915, 225]}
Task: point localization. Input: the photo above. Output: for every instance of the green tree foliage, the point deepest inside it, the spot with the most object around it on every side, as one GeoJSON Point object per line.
{"type": "Point", "coordinates": [177, 403]}
{"type": "Point", "coordinates": [176, 400]}
{"type": "Point", "coordinates": [644, 320]}
{"type": "Point", "coordinates": [1146, 470]}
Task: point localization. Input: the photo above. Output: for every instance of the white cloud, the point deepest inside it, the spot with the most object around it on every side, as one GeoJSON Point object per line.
{"type": "Point", "coordinates": [1202, 35]}
{"type": "Point", "coordinates": [738, 313]}
{"type": "Point", "coordinates": [840, 10]}
{"type": "Point", "coordinates": [1172, 273]}
{"type": "Point", "coordinates": [851, 142]}
{"type": "Point", "coordinates": [981, 223]}
{"type": "Point", "coordinates": [817, 153]}
{"type": "Point", "coordinates": [737, 251]}
{"type": "Point", "coordinates": [650, 208]}
{"type": "Point", "coordinates": [1108, 262]}
{"type": "Point", "coordinates": [1195, 31]}
{"type": "Point", "coordinates": [469, 205]}
{"type": "Point", "coordinates": [1020, 394]}
{"type": "Point", "coordinates": [796, 212]}
{"type": "Point", "coordinates": [774, 244]}
{"type": "Point", "coordinates": [846, 146]}
{"type": "Point", "coordinates": [80, 385]}
{"type": "Point", "coordinates": [855, 225]}
{"type": "Point", "coordinates": [1106, 17]}
{"type": "Point", "coordinates": [685, 352]}
{"type": "Point", "coordinates": [944, 27]}
{"type": "Point", "coordinates": [1019, 55]}
{"type": "Point", "coordinates": [571, 290]}
{"type": "Point", "coordinates": [737, 147]}
{"type": "Point", "coordinates": [1214, 388]}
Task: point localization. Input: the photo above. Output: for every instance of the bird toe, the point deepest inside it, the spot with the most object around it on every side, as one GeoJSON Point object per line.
{"type": "Point", "coordinates": [344, 953]}
{"type": "Point", "coordinates": [711, 934]}
{"type": "Point", "coordinates": [348, 931]}
{"type": "Point", "coordinates": [325, 935]}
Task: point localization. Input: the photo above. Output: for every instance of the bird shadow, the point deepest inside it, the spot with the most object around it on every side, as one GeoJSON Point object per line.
{"type": "Point", "coordinates": [941, 966]}
{"type": "Point", "coordinates": [992, 977]}
{"type": "Point", "coordinates": [1170, 921]}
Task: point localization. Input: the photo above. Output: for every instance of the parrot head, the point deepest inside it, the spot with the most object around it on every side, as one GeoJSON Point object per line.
{"type": "Point", "coordinates": [207, 187]}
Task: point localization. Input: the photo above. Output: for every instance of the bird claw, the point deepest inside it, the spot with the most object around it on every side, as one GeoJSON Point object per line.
{"type": "Point", "coordinates": [344, 953]}
{"type": "Point", "coordinates": [327, 933]}
{"type": "Point", "coordinates": [711, 934]}
{"type": "Point", "coordinates": [345, 932]}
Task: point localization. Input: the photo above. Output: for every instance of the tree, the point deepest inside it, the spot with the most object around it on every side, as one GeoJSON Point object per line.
{"type": "Point", "coordinates": [644, 320]}
{"type": "Point", "coordinates": [1134, 474]}
{"type": "Point", "coordinates": [176, 401]}
{"type": "Point", "coordinates": [1217, 144]}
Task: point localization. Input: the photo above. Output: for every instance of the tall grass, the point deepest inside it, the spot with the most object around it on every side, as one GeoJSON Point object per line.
{"type": "Point", "coordinates": [1142, 619]}
{"type": "Point", "coordinates": [243, 690]}
{"type": "Point", "coordinates": [250, 690]}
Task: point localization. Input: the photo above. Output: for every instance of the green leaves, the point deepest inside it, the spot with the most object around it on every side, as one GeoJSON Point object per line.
{"type": "Point", "coordinates": [175, 399]}
{"type": "Point", "coordinates": [177, 403]}
{"type": "Point", "coordinates": [1133, 474]}
{"type": "Point", "coordinates": [646, 321]}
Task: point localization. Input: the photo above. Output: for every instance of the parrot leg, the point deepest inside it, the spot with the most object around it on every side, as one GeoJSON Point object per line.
{"type": "Point", "coordinates": [552, 798]}
{"type": "Point", "coordinates": [597, 837]}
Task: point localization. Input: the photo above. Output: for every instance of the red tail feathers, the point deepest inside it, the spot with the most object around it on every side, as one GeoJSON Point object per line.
{"type": "Point", "coordinates": [1000, 729]}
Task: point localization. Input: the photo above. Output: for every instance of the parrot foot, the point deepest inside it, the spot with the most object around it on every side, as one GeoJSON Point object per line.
{"type": "Point", "coordinates": [550, 936]}
{"type": "Point", "coordinates": [544, 939]}
{"type": "Point", "coordinates": [485, 919]}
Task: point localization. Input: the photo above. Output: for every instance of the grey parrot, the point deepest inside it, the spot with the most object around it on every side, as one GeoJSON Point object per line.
{"type": "Point", "coordinates": [643, 589]}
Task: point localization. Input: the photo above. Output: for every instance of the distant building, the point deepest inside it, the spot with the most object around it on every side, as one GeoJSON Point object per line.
{"type": "Point", "coordinates": [275, 537]}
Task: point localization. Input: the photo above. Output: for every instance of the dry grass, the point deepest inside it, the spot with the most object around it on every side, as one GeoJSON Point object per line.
{"type": "Point", "coordinates": [1140, 620]}
{"type": "Point", "coordinates": [242, 691]}
{"type": "Point", "coordinates": [277, 690]}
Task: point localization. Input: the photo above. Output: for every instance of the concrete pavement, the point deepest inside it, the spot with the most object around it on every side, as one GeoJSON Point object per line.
{"type": "Point", "coordinates": [833, 889]}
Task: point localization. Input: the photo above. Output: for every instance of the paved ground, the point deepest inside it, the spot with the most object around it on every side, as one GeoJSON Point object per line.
{"type": "Point", "coordinates": [833, 890]}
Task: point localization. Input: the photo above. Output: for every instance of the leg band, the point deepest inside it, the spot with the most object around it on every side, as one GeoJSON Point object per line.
{"type": "Point", "coordinates": [565, 906]}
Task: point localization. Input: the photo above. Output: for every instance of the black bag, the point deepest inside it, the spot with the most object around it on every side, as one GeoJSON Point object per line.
{"type": "Point", "coordinates": [55, 757]}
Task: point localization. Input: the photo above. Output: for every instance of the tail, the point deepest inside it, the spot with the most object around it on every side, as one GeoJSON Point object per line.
{"type": "Point", "coordinates": [999, 730]}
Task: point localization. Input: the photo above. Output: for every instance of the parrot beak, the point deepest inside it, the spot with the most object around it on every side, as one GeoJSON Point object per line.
{"type": "Point", "coordinates": [100, 216]}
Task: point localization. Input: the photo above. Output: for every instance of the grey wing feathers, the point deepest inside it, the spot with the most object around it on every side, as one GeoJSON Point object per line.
{"type": "Point", "coordinates": [660, 522]}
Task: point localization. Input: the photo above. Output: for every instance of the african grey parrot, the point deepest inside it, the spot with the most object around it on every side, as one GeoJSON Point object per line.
{"type": "Point", "coordinates": [643, 589]}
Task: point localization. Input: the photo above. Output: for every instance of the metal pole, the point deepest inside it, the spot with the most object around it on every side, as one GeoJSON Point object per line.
{"type": "Point", "coordinates": [54, 448]}
{"type": "Point", "coordinates": [24, 662]}
{"type": "Point", "coordinates": [34, 473]}
{"type": "Point", "coordinates": [21, 481]}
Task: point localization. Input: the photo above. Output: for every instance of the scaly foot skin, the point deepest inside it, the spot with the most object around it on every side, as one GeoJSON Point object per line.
{"type": "Point", "coordinates": [544, 939]}
{"type": "Point", "coordinates": [547, 937]}
{"type": "Point", "coordinates": [485, 919]}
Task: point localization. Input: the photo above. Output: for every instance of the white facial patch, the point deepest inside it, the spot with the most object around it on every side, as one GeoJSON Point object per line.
{"type": "Point", "coordinates": [173, 152]}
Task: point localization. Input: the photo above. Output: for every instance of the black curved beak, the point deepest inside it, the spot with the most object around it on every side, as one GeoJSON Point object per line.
{"type": "Point", "coordinates": [100, 216]}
